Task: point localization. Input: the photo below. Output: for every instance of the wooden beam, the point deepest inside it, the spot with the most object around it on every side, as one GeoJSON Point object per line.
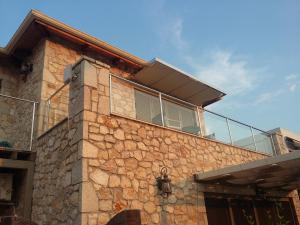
{"type": "Point", "coordinates": [16, 164]}
{"type": "Point", "coordinates": [90, 45]}
{"type": "Point", "coordinates": [28, 166]}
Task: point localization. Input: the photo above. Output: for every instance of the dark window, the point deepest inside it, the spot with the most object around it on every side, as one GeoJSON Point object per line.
{"type": "Point", "coordinates": [180, 117]}
{"type": "Point", "coordinates": [217, 211]}
{"type": "Point", "coordinates": [292, 144]}
{"type": "Point", "coordinates": [147, 107]}
{"type": "Point", "coordinates": [243, 212]}
{"type": "Point", "coordinates": [227, 211]}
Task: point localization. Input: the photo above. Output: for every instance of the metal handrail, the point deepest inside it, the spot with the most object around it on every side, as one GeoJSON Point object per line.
{"type": "Point", "coordinates": [34, 103]}
{"type": "Point", "coordinates": [226, 117]}
{"type": "Point", "coordinates": [185, 102]}
{"type": "Point", "coordinates": [160, 94]}
{"type": "Point", "coordinates": [57, 91]}
{"type": "Point", "coordinates": [49, 102]}
{"type": "Point", "coordinates": [16, 98]}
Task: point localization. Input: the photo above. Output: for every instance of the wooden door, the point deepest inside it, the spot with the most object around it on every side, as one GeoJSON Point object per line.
{"type": "Point", "coordinates": [275, 212]}
{"type": "Point", "coordinates": [217, 211]}
{"type": "Point", "coordinates": [228, 211]}
{"type": "Point", "coordinates": [243, 212]}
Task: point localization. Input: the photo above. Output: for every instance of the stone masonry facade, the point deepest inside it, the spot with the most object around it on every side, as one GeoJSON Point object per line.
{"type": "Point", "coordinates": [116, 161]}
{"type": "Point", "coordinates": [93, 164]}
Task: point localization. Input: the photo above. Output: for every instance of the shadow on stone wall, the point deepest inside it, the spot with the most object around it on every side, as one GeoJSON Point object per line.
{"type": "Point", "coordinates": [184, 206]}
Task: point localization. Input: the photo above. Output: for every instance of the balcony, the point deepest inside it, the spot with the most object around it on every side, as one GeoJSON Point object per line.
{"type": "Point", "coordinates": [135, 101]}
{"type": "Point", "coordinates": [17, 118]}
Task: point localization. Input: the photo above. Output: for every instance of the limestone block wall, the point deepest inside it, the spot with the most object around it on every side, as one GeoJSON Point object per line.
{"type": "Point", "coordinates": [15, 115]}
{"type": "Point", "coordinates": [7, 119]}
{"type": "Point", "coordinates": [123, 99]}
{"type": "Point", "coordinates": [8, 77]}
{"type": "Point", "coordinates": [9, 81]}
{"type": "Point", "coordinates": [29, 87]}
{"type": "Point", "coordinates": [57, 108]}
{"type": "Point", "coordinates": [56, 57]}
{"type": "Point", "coordinates": [123, 157]}
{"type": "Point", "coordinates": [96, 164]}
{"type": "Point", "coordinates": [55, 194]}
{"type": "Point", "coordinates": [58, 171]}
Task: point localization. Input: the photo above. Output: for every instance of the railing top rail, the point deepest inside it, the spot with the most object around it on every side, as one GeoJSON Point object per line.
{"type": "Point", "coordinates": [180, 100]}
{"type": "Point", "coordinates": [226, 117]}
{"type": "Point", "coordinates": [57, 91]}
{"type": "Point", "coordinates": [153, 90]}
{"type": "Point", "coordinates": [16, 98]}
{"type": "Point", "coordinates": [298, 141]}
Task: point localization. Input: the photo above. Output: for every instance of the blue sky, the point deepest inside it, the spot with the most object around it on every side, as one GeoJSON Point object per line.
{"type": "Point", "coordinates": [249, 49]}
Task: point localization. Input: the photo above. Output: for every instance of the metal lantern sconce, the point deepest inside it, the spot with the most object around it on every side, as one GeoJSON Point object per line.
{"type": "Point", "coordinates": [164, 183]}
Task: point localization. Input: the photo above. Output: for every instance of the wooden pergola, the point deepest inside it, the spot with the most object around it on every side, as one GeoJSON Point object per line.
{"type": "Point", "coordinates": [20, 164]}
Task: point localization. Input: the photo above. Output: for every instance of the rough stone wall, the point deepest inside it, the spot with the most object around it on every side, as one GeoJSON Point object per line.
{"type": "Point", "coordinates": [7, 119]}
{"type": "Point", "coordinates": [123, 157]}
{"type": "Point", "coordinates": [58, 170]}
{"type": "Point", "coordinates": [8, 77]}
{"type": "Point", "coordinates": [279, 144]}
{"type": "Point", "coordinates": [29, 87]}
{"type": "Point", "coordinates": [57, 56]}
{"type": "Point", "coordinates": [57, 109]}
{"type": "Point", "coordinates": [98, 164]}
{"type": "Point", "coordinates": [16, 115]}
{"type": "Point", "coordinates": [19, 113]}
{"type": "Point", "coordinates": [55, 195]}
{"type": "Point", "coordinates": [123, 99]}
{"type": "Point", "coordinates": [9, 82]}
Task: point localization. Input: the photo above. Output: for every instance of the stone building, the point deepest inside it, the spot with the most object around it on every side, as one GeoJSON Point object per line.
{"type": "Point", "coordinates": [89, 128]}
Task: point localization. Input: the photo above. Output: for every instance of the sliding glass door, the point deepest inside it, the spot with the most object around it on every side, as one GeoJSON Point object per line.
{"type": "Point", "coordinates": [230, 211]}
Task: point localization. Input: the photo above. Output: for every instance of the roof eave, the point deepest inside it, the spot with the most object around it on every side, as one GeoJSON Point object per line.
{"type": "Point", "coordinates": [35, 15]}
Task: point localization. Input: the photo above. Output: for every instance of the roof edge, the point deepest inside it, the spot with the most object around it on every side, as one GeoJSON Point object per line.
{"type": "Point", "coordinates": [190, 76]}
{"type": "Point", "coordinates": [39, 16]}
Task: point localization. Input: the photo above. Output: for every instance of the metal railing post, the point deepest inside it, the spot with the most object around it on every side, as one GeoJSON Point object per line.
{"type": "Point", "coordinates": [32, 126]}
{"type": "Point", "coordinates": [161, 110]}
{"type": "Point", "coordinates": [110, 96]}
{"type": "Point", "coordinates": [253, 138]}
{"type": "Point", "coordinates": [229, 131]}
{"type": "Point", "coordinates": [48, 111]}
{"type": "Point", "coordinates": [199, 121]}
{"type": "Point", "coordinates": [273, 145]}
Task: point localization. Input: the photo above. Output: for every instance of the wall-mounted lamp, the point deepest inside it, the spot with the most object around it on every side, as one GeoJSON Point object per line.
{"type": "Point", "coordinates": [164, 183]}
{"type": "Point", "coordinates": [26, 68]}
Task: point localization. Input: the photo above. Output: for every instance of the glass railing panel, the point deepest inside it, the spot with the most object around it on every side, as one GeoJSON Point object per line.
{"type": "Point", "coordinates": [122, 98]}
{"type": "Point", "coordinates": [128, 101]}
{"type": "Point", "coordinates": [263, 141]}
{"type": "Point", "coordinates": [215, 127]}
{"type": "Point", "coordinates": [135, 101]}
{"type": "Point", "coordinates": [132, 101]}
{"type": "Point", "coordinates": [16, 121]}
{"type": "Point", "coordinates": [180, 117]}
{"type": "Point", "coordinates": [241, 135]}
{"type": "Point", "coordinates": [56, 108]}
{"type": "Point", "coordinates": [147, 107]}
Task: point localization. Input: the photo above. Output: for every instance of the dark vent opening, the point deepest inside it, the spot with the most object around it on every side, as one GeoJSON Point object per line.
{"type": "Point", "coordinates": [292, 144]}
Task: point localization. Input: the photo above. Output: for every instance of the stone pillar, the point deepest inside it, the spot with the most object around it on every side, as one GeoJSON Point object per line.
{"type": "Point", "coordinates": [89, 97]}
{"type": "Point", "coordinates": [202, 121]}
{"type": "Point", "coordinates": [279, 144]}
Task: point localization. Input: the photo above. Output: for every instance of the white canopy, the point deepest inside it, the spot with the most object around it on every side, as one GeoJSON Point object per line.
{"type": "Point", "coordinates": [172, 81]}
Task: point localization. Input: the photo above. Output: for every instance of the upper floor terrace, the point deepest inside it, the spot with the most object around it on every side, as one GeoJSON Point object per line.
{"type": "Point", "coordinates": [114, 114]}
{"type": "Point", "coordinates": [155, 93]}
{"type": "Point", "coordinates": [165, 101]}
